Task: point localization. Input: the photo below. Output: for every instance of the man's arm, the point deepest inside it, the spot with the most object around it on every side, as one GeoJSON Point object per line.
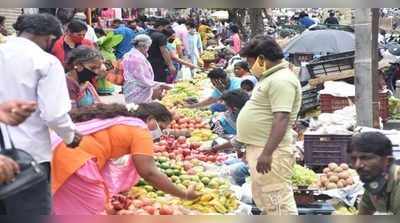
{"type": "Point", "coordinates": [204, 103]}
{"type": "Point", "coordinates": [55, 105]}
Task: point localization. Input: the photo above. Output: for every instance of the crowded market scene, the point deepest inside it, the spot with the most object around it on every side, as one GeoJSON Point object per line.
{"type": "Point", "coordinates": [200, 111]}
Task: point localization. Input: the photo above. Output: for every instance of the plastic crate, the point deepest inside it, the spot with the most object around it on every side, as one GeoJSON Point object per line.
{"type": "Point", "coordinates": [331, 103]}
{"type": "Point", "coordinates": [320, 150]}
{"type": "Point", "coordinates": [331, 64]}
{"type": "Point", "coordinates": [310, 100]}
{"type": "Point", "coordinates": [317, 208]}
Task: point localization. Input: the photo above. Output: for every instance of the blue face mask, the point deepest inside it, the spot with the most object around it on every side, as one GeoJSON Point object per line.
{"type": "Point", "coordinates": [156, 133]}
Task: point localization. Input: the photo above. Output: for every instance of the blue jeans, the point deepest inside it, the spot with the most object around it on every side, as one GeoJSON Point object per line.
{"type": "Point", "coordinates": [239, 171]}
{"type": "Point", "coordinates": [217, 107]}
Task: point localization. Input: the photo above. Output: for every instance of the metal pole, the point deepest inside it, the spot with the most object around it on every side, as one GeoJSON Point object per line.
{"type": "Point", "coordinates": [366, 31]}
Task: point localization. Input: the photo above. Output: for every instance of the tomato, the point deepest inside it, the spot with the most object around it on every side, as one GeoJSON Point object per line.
{"type": "Point", "coordinates": [149, 209]}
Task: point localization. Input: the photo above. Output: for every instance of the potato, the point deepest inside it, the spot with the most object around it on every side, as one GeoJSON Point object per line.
{"type": "Point", "coordinates": [338, 169]}
{"type": "Point", "coordinates": [349, 181]}
{"type": "Point", "coordinates": [332, 166]}
{"type": "Point", "coordinates": [326, 170]}
{"type": "Point", "coordinates": [344, 166]}
{"type": "Point", "coordinates": [333, 179]}
{"type": "Point", "coordinates": [341, 183]}
{"type": "Point", "coordinates": [329, 174]}
{"type": "Point", "coordinates": [331, 186]}
{"type": "Point", "coordinates": [344, 175]}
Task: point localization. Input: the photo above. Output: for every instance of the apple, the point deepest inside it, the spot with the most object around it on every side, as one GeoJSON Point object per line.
{"type": "Point", "coordinates": [146, 201]}
{"type": "Point", "coordinates": [166, 210]}
{"type": "Point", "coordinates": [187, 165]}
{"type": "Point", "coordinates": [195, 145]}
{"type": "Point", "coordinates": [149, 209]}
{"type": "Point", "coordinates": [186, 152]}
{"type": "Point", "coordinates": [181, 139]}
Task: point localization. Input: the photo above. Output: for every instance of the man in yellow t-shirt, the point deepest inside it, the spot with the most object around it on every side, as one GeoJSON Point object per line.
{"type": "Point", "coordinates": [264, 126]}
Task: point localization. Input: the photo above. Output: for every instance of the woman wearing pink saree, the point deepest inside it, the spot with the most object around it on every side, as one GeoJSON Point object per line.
{"type": "Point", "coordinates": [139, 85]}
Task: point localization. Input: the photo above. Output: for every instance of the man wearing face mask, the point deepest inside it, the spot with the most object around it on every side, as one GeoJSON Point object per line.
{"type": "Point", "coordinates": [28, 72]}
{"type": "Point", "coordinates": [221, 83]}
{"type": "Point", "coordinates": [73, 38]}
{"type": "Point", "coordinates": [372, 157]}
{"type": "Point", "coordinates": [264, 126]}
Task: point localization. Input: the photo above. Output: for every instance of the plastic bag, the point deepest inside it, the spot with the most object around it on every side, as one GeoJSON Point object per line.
{"type": "Point", "coordinates": [186, 73]}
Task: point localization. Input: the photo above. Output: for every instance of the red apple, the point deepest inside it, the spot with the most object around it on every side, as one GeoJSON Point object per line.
{"type": "Point", "coordinates": [149, 209]}
{"type": "Point", "coordinates": [166, 210]}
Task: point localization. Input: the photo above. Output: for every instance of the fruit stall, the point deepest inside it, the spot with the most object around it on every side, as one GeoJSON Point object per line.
{"type": "Point", "coordinates": [324, 184]}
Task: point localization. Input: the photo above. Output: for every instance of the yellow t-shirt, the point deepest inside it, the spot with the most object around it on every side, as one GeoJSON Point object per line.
{"type": "Point", "coordinates": [279, 90]}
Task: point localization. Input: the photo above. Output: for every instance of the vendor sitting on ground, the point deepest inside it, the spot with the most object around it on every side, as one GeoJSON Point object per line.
{"type": "Point", "coordinates": [225, 124]}
{"type": "Point", "coordinates": [221, 83]}
{"type": "Point", "coordinates": [242, 71]}
{"type": "Point", "coordinates": [372, 157]}
{"type": "Point", "coordinates": [84, 178]}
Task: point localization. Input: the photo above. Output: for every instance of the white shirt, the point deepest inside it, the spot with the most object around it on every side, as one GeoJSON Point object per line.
{"type": "Point", "coordinates": [91, 34]}
{"type": "Point", "coordinates": [27, 72]}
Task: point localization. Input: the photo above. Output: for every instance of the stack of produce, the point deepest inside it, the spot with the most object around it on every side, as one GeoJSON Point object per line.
{"type": "Point", "coordinates": [141, 205]}
{"type": "Point", "coordinates": [303, 177]}
{"type": "Point", "coordinates": [179, 93]}
{"type": "Point", "coordinates": [183, 125]}
{"type": "Point", "coordinates": [208, 55]}
{"type": "Point", "coordinates": [216, 195]}
{"type": "Point", "coordinates": [179, 149]}
{"type": "Point", "coordinates": [336, 176]}
{"type": "Point", "coordinates": [202, 135]}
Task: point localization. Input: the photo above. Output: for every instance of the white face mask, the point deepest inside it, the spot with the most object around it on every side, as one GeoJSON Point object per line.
{"type": "Point", "coordinates": [156, 133]}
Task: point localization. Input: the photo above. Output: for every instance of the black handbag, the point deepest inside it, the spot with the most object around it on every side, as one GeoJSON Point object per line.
{"type": "Point", "coordinates": [31, 173]}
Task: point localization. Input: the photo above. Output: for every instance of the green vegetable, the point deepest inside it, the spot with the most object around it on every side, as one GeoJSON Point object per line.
{"type": "Point", "coordinates": [394, 107]}
{"type": "Point", "coordinates": [303, 176]}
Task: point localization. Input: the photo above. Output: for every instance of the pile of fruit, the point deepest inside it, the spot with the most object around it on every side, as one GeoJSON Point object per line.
{"type": "Point", "coordinates": [141, 205]}
{"type": "Point", "coordinates": [394, 108]}
{"type": "Point", "coordinates": [179, 93]}
{"type": "Point", "coordinates": [214, 201]}
{"type": "Point", "coordinates": [335, 176]}
{"type": "Point", "coordinates": [216, 195]}
{"type": "Point", "coordinates": [208, 55]}
{"type": "Point", "coordinates": [179, 149]}
{"type": "Point", "coordinates": [202, 135]}
{"type": "Point", "coordinates": [303, 176]}
{"type": "Point", "coordinates": [193, 113]}
{"type": "Point", "coordinates": [182, 126]}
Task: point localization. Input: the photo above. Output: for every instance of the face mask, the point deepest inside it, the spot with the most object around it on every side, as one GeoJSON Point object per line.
{"type": "Point", "coordinates": [77, 39]}
{"type": "Point", "coordinates": [85, 75]}
{"type": "Point", "coordinates": [156, 133]}
{"type": "Point", "coordinates": [256, 69]}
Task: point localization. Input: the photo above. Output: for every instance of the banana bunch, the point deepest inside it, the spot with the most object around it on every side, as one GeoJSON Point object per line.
{"type": "Point", "coordinates": [222, 202]}
{"type": "Point", "coordinates": [202, 135]}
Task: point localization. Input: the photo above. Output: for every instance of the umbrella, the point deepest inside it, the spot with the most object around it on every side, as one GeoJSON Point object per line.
{"type": "Point", "coordinates": [321, 42]}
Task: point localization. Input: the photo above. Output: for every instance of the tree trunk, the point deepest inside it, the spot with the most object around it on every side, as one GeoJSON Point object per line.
{"type": "Point", "coordinates": [256, 21]}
